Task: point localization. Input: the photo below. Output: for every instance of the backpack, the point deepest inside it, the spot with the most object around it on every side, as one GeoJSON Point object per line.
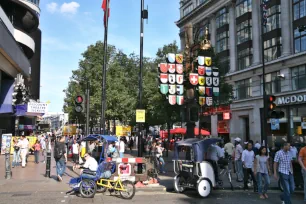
{"type": "Point", "coordinates": [58, 151]}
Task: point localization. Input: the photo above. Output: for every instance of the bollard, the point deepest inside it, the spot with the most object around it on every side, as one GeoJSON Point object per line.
{"type": "Point", "coordinates": [48, 164]}
{"type": "Point", "coordinates": [8, 172]}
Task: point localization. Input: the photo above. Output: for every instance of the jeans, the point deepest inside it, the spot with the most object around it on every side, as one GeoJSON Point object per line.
{"type": "Point", "coordinates": [121, 154]}
{"type": "Point", "coordinates": [304, 177]}
{"type": "Point", "coordinates": [239, 172]}
{"type": "Point", "coordinates": [162, 165]}
{"type": "Point", "coordinates": [16, 156]}
{"type": "Point", "coordinates": [23, 154]}
{"type": "Point", "coordinates": [247, 172]}
{"type": "Point", "coordinates": [287, 182]}
{"type": "Point", "coordinates": [259, 182]}
{"type": "Point", "coordinates": [60, 167]}
{"type": "Point", "coordinates": [36, 154]}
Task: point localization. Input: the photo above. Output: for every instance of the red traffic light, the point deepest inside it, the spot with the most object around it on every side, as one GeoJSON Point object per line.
{"type": "Point", "coordinates": [271, 98]}
{"type": "Point", "coordinates": [79, 99]}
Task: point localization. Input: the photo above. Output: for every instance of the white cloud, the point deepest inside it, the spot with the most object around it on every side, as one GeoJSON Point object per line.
{"type": "Point", "coordinates": [69, 8]}
{"type": "Point", "coordinates": [52, 7]}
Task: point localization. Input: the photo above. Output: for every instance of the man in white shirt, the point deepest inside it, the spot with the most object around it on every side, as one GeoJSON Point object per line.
{"type": "Point", "coordinates": [90, 163]}
{"type": "Point", "coordinates": [238, 162]}
{"type": "Point", "coordinates": [75, 151]}
{"type": "Point", "coordinates": [43, 148]}
{"type": "Point", "coordinates": [257, 145]}
{"type": "Point", "coordinates": [23, 143]}
{"type": "Point", "coordinates": [248, 156]}
{"type": "Point", "coordinates": [121, 148]}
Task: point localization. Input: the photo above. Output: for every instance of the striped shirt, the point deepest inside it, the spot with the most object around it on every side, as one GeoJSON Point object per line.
{"type": "Point", "coordinates": [284, 162]}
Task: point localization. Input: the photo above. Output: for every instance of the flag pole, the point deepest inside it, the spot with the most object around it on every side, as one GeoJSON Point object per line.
{"type": "Point", "coordinates": [103, 98]}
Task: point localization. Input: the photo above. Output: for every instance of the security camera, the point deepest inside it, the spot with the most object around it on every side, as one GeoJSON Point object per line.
{"type": "Point", "coordinates": [281, 76]}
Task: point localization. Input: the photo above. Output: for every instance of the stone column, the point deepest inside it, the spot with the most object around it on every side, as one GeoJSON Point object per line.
{"type": "Point", "coordinates": [232, 38]}
{"type": "Point", "coordinates": [256, 23]}
{"type": "Point", "coordinates": [286, 27]}
{"type": "Point", "coordinates": [214, 125]}
{"type": "Point", "coordinates": [213, 31]}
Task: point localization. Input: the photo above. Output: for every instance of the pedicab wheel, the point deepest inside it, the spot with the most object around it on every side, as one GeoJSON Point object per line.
{"type": "Point", "coordinates": [177, 186]}
{"type": "Point", "coordinates": [204, 188]}
{"type": "Point", "coordinates": [88, 188]}
{"type": "Point", "coordinates": [130, 190]}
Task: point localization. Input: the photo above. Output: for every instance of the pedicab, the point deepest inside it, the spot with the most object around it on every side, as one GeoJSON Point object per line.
{"type": "Point", "coordinates": [89, 183]}
{"type": "Point", "coordinates": [193, 171]}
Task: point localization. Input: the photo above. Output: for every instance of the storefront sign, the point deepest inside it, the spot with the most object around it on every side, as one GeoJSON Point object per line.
{"type": "Point", "coordinates": [291, 99]}
{"type": "Point", "coordinates": [37, 108]}
{"type": "Point", "coordinates": [274, 124]}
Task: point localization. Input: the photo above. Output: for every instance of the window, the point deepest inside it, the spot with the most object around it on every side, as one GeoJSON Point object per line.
{"type": "Point", "coordinates": [199, 33]}
{"type": "Point", "coordinates": [224, 65]}
{"type": "Point", "coordinates": [243, 6]}
{"type": "Point", "coordinates": [299, 40]}
{"type": "Point", "coordinates": [273, 83]}
{"type": "Point", "coordinates": [187, 10]}
{"type": "Point", "coordinates": [34, 2]}
{"type": "Point", "coordinates": [222, 18]}
{"type": "Point", "coordinates": [222, 41]}
{"type": "Point", "coordinates": [201, 2]}
{"type": "Point", "coordinates": [273, 20]}
{"type": "Point", "coordinates": [273, 49]}
{"type": "Point", "coordinates": [244, 89]}
{"type": "Point", "coordinates": [244, 31]}
{"type": "Point", "coordinates": [245, 58]}
{"type": "Point", "coordinates": [299, 7]}
{"type": "Point", "coordinates": [298, 75]}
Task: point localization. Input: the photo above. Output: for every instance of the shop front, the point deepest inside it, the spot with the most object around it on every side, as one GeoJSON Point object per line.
{"type": "Point", "coordinates": [292, 127]}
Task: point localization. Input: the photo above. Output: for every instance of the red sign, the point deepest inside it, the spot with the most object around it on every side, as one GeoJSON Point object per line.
{"type": "Point", "coordinates": [226, 116]}
{"type": "Point", "coordinates": [216, 110]}
{"type": "Point", "coordinates": [223, 127]}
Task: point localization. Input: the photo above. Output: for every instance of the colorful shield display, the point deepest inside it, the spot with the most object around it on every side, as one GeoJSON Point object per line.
{"type": "Point", "coordinates": [163, 78]}
{"type": "Point", "coordinates": [179, 78]}
{"type": "Point", "coordinates": [171, 78]}
{"type": "Point", "coordinates": [171, 57]}
{"type": "Point", "coordinates": [179, 68]}
{"type": "Point", "coordinates": [179, 58]}
{"type": "Point", "coordinates": [216, 91]}
{"type": "Point", "coordinates": [216, 81]}
{"type": "Point", "coordinates": [209, 101]}
{"type": "Point", "coordinates": [215, 72]}
{"type": "Point", "coordinates": [202, 90]}
{"type": "Point", "coordinates": [163, 67]}
{"type": "Point", "coordinates": [208, 71]}
{"type": "Point", "coordinates": [172, 99]}
{"type": "Point", "coordinates": [193, 78]}
{"type": "Point", "coordinates": [164, 88]}
{"type": "Point", "coordinates": [172, 89]}
{"type": "Point", "coordinates": [180, 100]}
{"type": "Point", "coordinates": [208, 81]}
{"type": "Point", "coordinates": [201, 70]}
{"type": "Point", "coordinates": [208, 61]}
{"type": "Point", "coordinates": [201, 80]}
{"type": "Point", "coordinates": [171, 68]}
{"type": "Point", "coordinates": [202, 101]}
{"type": "Point", "coordinates": [208, 91]}
{"type": "Point", "coordinates": [201, 60]}
{"type": "Point", "coordinates": [179, 89]}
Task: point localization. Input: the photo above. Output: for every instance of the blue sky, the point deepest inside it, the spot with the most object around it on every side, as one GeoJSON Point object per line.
{"type": "Point", "coordinates": [70, 26]}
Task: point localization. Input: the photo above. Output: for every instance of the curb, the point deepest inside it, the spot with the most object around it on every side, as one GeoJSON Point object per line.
{"type": "Point", "coordinates": [152, 189]}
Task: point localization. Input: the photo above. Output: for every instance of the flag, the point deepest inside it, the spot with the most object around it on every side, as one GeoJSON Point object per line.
{"type": "Point", "coordinates": [104, 9]}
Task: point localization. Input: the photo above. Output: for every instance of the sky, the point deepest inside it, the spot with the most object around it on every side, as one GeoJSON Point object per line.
{"type": "Point", "coordinates": [69, 27]}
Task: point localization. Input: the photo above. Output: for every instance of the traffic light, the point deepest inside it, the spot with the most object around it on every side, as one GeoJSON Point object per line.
{"type": "Point", "coordinates": [193, 114]}
{"type": "Point", "coordinates": [270, 105]}
{"type": "Point", "coordinates": [79, 104]}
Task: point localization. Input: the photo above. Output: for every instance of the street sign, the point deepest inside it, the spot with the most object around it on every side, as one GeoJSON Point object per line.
{"type": "Point", "coordinates": [140, 116]}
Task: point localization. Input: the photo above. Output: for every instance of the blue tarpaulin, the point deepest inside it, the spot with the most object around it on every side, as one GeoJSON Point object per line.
{"type": "Point", "coordinates": [6, 97]}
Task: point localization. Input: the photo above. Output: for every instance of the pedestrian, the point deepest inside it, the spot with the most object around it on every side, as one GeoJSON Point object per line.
{"type": "Point", "coordinates": [75, 152]}
{"type": "Point", "coordinates": [262, 170]}
{"type": "Point", "coordinates": [293, 152]}
{"type": "Point", "coordinates": [91, 147]}
{"type": "Point", "coordinates": [131, 144]}
{"type": "Point", "coordinates": [302, 161]}
{"type": "Point", "coordinates": [43, 148]}
{"type": "Point", "coordinates": [60, 156]}
{"type": "Point", "coordinates": [16, 153]}
{"type": "Point", "coordinates": [283, 170]}
{"type": "Point", "coordinates": [238, 163]}
{"type": "Point", "coordinates": [24, 148]}
{"type": "Point", "coordinates": [121, 147]}
{"type": "Point", "coordinates": [214, 153]}
{"type": "Point", "coordinates": [36, 148]}
{"type": "Point", "coordinates": [159, 155]}
{"type": "Point", "coordinates": [247, 161]}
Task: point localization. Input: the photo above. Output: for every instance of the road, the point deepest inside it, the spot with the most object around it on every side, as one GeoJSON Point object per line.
{"type": "Point", "coordinates": [218, 197]}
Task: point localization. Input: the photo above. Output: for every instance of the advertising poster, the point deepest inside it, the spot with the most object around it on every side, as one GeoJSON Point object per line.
{"type": "Point", "coordinates": [6, 143]}
{"type": "Point", "coordinates": [274, 124]}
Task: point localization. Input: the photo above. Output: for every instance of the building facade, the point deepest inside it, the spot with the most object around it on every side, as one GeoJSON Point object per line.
{"type": "Point", "coordinates": [236, 33]}
{"type": "Point", "coordinates": [55, 120]}
{"type": "Point", "coordinates": [20, 53]}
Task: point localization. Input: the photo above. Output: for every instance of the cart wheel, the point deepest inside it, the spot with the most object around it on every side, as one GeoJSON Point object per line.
{"type": "Point", "coordinates": [177, 183]}
{"type": "Point", "coordinates": [88, 188]}
{"type": "Point", "coordinates": [204, 188]}
{"type": "Point", "coordinates": [130, 190]}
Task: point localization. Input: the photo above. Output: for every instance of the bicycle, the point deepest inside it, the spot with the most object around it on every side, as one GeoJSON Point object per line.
{"type": "Point", "coordinates": [226, 169]}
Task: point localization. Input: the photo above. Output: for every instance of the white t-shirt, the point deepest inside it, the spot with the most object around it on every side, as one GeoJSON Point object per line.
{"type": "Point", "coordinates": [248, 158]}
{"type": "Point", "coordinates": [75, 148]}
{"type": "Point", "coordinates": [257, 145]}
{"type": "Point", "coordinates": [91, 164]}
{"type": "Point", "coordinates": [23, 144]}
{"type": "Point", "coordinates": [121, 146]}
